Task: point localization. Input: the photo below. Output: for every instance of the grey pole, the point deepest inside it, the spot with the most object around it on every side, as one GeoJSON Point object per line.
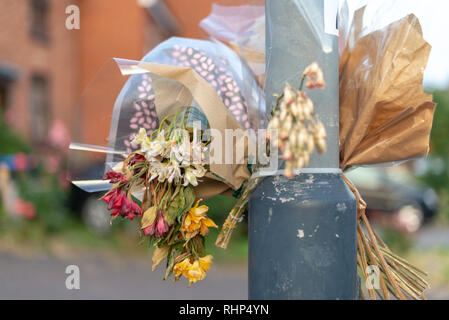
{"type": "Point", "coordinates": [302, 231]}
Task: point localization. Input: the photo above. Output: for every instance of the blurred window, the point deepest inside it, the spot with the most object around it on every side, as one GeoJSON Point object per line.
{"type": "Point", "coordinates": [7, 77]}
{"type": "Point", "coordinates": [3, 98]}
{"type": "Point", "coordinates": [39, 19]}
{"type": "Point", "coordinates": [40, 109]}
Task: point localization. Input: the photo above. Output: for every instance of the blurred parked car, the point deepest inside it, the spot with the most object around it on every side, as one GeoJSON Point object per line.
{"type": "Point", "coordinates": [394, 197]}
{"type": "Point", "coordinates": [90, 209]}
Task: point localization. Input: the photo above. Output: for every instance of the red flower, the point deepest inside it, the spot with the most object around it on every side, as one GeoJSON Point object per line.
{"type": "Point", "coordinates": [158, 228]}
{"type": "Point", "coordinates": [136, 159]}
{"type": "Point", "coordinates": [115, 177]}
{"type": "Point", "coordinates": [120, 205]}
{"type": "Point", "coordinates": [133, 210]}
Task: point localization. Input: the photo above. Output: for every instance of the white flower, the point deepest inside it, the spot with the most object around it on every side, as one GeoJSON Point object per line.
{"type": "Point", "coordinates": [191, 175]}
{"type": "Point", "coordinates": [155, 147]}
{"type": "Point", "coordinates": [180, 153]}
{"type": "Point", "coordinates": [155, 169]}
{"type": "Point", "coordinates": [140, 138]}
{"type": "Point", "coordinates": [174, 173]}
{"type": "Point", "coordinates": [162, 171]}
{"type": "Point", "coordinates": [198, 152]}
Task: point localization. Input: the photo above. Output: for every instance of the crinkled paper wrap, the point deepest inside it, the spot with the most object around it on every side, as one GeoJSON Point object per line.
{"type": "Point", "coordinates": [190, 86]}
{"type": "Point", "coordinates": [385, 116]}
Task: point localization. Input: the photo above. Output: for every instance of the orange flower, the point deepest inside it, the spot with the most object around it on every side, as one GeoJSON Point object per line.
{"type": "Point", "coordinates": [196, 221]}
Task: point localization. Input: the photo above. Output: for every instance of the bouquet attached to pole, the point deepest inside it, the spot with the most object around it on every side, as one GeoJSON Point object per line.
{"type": "Point", "coordinates": [164, 157]}
{"type": "Point", "coordinates": [167, 166]}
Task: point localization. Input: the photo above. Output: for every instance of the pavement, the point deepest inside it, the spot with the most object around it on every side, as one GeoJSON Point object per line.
{"type": "Point", "coordinates": [103, 278]}
{"type": "Point", "coordinates": [122, 277]}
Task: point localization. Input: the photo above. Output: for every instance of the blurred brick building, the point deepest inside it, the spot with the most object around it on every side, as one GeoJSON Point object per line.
{"type": "Point", "coordinates": [44, 67]}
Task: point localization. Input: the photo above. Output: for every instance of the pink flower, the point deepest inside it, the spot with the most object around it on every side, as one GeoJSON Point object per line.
{"type": "Point", "coordinates": [24, 209]}
{"type": "Point", "coordinates": [120, 205]}
{"type": "Point", "coordinates": [158, 228]}
{"type": "Point", "coordinates": [58, 135]}
{"type": "Point", "coordinates": [20, 162]}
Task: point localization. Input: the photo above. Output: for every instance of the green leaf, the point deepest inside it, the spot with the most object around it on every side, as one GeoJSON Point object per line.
{"type": "Point", "coordinates": [180, 204]}
{"type": "Point", "coordinates": [190, 197]}
{"type": "Point", "coordinates": [175, 207]}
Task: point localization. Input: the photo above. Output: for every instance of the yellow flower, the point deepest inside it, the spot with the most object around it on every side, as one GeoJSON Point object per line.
{"type": "Point", "coordinates": [196, 221]}
{"type": "Point", "coordinates": [205, 262]}
{"type": "Point", "coordinates": [193, 271]}
{"type": "Point", "coordinates": [181, 267]}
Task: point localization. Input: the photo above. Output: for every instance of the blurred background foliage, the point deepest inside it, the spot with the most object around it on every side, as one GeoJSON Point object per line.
{"type": "Point", "coordinates": [434, 171]}
{"type": "Point", "coordinates": [10, 141]}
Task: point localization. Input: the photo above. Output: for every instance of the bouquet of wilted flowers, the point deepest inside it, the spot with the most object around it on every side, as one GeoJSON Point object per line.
{"type": "Point", "coordinates": [167, 167]}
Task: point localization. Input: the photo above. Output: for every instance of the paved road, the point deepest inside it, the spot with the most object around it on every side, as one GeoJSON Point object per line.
{"type": "Point", "coordinates": [432, 237]}
{"type": "Point", "coordinates": [100, 278]}
{"type": "Point", "coordinates": [114, 278]}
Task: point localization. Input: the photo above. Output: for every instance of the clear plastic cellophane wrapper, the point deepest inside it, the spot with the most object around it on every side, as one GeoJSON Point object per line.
{"type": "Point", "coordinates": [241, 24]}
{"type": "Point", "coordinates": [127, 95]}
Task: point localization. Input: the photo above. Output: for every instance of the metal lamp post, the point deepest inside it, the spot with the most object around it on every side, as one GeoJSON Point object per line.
{"type": "Point", "coordinates": [302, 231]}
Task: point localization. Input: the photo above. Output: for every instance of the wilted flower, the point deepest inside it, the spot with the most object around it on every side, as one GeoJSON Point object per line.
{"type": "Point", "coordinates": [173, 173]}
{"type": "Point", "coordinates": [299, 129]}
{"type": "Point", "coordinates": [191, 175]}
{"type": "Point", "coordinates": [120, 205]}
{"type": "Point", "coordinates": [136, 159]}
{"type": "Point", "coordinates": [141, 138]}
{"type": "Point", "coordinates": [155, 147]}
{"type": "Point", "coordinates": [193, 271]}
{"type": "Point", "coordinates": [115, 177]}
{"type": "Point", "coordinates": [159, 227]}
{"type": "Point", "coordinates": [196, 221]}
{"type": "Point", "coordinates": [180, 151]}
{"type": "Point", "coordinates": [198, 152]}
{"type": "Point", "coordinates": [315, 77]}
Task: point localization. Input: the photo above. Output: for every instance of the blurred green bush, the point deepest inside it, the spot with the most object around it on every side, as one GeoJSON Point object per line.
{"type": "Point", "coordinates": [10, 141]}
{"type": "Point", "coordinates": [436, 174]}
{"type": "Point", "coordinates": [36, 186]}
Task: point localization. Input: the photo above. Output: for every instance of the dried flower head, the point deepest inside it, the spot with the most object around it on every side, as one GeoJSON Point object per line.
{"type": "Point", "coordinates": [299, 129]}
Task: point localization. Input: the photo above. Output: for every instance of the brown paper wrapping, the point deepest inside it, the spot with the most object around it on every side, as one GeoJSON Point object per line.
{"type": "Point", "coordinates": [190, 86]}
{"type": "Point", "coordinates": [385, 116]}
